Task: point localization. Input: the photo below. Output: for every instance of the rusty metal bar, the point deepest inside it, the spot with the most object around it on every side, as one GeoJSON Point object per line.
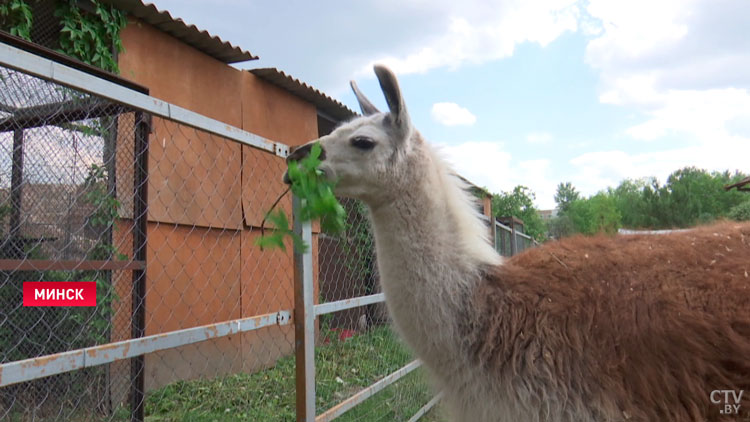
{"type": "Point", "coordinates": [68, 265]}
{"type": "Point", "coordinates": [26, 62]}
{"type": "Point", "coordinates": [140, 218]}
{"type": "Point", "coordinates": [365, 394]}
{"type": "Point", "coordinates": [44, 366]}
{"type": "Point", "coordinates": [426, 408]}
{"type": "Point", "coordinates": [304, 320]}
{"type": "Point", "coordinates": [340, 305]}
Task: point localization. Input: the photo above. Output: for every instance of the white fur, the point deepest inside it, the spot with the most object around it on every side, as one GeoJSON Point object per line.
{"type": "Point", "coordinates": [430, 244]}
{"type": "Point", "coordinates": [435, 264]}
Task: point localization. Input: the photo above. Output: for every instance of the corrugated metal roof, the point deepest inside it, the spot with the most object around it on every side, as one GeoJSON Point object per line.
{"type": "Point", "coordinates": [323, 102]}
{"type": "Point", "coordinates": [189, 34]}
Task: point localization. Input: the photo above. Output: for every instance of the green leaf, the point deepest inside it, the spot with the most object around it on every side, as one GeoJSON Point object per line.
{"type": "Point", "coordinates": [319, 202]}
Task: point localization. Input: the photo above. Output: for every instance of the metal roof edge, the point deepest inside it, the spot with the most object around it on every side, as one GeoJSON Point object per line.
{"type": "Point", "coordinates": [325, 103]}
{"type": "Point", "coordinates": [212, 45]}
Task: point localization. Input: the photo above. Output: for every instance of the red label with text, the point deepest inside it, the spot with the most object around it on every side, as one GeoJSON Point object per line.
{"type": "Point", "coordinates": [59, 293]}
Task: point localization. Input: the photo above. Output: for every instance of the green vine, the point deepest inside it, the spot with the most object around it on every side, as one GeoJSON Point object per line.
{"type": "Point", "coordinates": [91, 37]}
{"type": "Point", "coordinates": [15, 15]}
{"type": "Point", "coordinates": [105, 213]}
{"type": "Point", "coordinates": [90, 34]}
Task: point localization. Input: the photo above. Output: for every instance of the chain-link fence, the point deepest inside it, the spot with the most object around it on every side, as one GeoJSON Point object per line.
{"type": "Point", "coordinates": [363, 371]}
{"type": "Point", "coordinates": [193, 320]}
{"type": "Point", "coordinates": [66, 158]}
{"type": "Point", "coordinates": [509, 241]}
{"type": "Point", "coordinates": [212, 308]}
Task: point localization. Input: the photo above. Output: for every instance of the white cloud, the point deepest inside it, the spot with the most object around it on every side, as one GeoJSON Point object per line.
{"type": "Point", "coordinates": [597, 170]}
{"type": "Point", "coordinates": [539, 138]}
{"type": "Point", "coordinates": [413, 36]}
{"type": "Point", "coordinates": [452, 114]}
{"type": "Point", "coordinates": [684, 63]}
{"type": "Point", "coordinates": [479, 31]}
{"type": "Point", "coordinates": [487, 164]}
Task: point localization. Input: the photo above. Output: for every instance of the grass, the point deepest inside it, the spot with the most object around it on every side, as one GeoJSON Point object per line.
{"type": "Point", "coordinates": [343, 367]}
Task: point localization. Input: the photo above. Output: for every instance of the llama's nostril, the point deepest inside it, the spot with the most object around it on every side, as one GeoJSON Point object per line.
{"type": "Point", "coordinates": [303, 151]}
{"type": "Point", "coordinates": [299, 153]}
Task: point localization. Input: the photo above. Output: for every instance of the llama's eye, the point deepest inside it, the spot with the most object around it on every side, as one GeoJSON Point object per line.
{"type": "Point", "coordinates": [363, 143]}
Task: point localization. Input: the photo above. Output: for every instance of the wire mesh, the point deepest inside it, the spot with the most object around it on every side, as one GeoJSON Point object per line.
{"type": "Point", "coordinates": [208, 197]}
{"type": "Point", "coordinates": [64, 164]}
{"type": "Point", "coordinates": [68, 202]}
{"type": "Point", "coordinates": [70, 189]}
{"type": "Point", "coordinates": [41, 22]}
{"type": "Point", "coordinates": [503, 238]}
{"type": "Point", "coordinates": [357, 347]}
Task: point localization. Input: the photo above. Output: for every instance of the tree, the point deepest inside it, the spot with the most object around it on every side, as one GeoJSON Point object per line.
{"type": "Point", "coordinates": [740, 212]}
{"type": "Point", "coordinates": [565, 195]}
{"type": "Point", "coordinates": [520, 204]}
{"type": "Point", "coordinates": [693, 197]}
{"type": "Point", "coordinates": [560, 226]}
{"type": "Point", "coordinates": [630, 198]}
{"type": "Point", "coordinates": [690, 196]}
{"type": "Point", "coordinates": [594, 215]}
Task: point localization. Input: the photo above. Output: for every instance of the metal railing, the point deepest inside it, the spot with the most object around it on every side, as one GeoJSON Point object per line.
{"type": "Point", "coordinates": [160, 206]}
{"type": "Point", "coordinates": [509, 242]}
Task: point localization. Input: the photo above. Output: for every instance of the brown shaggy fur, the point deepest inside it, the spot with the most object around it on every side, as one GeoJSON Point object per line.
{"type": "Point", "coordinates": [643, 327]}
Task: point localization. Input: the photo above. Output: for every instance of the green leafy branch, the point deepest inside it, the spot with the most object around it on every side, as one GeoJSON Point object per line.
{"type": "Point", "coordinates": [105, 212]}
{"type": "Point", "coordinates": [318, 203]}
{"type": "Point", "coordinates": [16, 16]}
{"type": "Point", "coordinates": [91, 37]}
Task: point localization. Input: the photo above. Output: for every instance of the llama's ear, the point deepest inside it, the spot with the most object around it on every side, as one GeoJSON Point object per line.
{"type": "Point", "coordinates": [392, 92]}
{"type": "Point", "coordinates": [367, 107]}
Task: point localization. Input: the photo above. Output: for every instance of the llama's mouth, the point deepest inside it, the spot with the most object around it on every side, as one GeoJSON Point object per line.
{"type": "Point", "coordinates": [287, 181]}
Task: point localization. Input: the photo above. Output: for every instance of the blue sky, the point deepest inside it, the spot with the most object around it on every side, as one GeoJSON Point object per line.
{"type": "Point", "coordinates": [533, 92]}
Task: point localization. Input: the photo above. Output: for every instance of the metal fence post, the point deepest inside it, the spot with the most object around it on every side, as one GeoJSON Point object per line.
{"type": "Point", "coordinates": [513, 239]}
{"type": "Point", "coordinates": [502, 240]}
{"type": "Point", "coordinates": [304, 320]}
{"type": "Point", "coordinates": [16, 187]}
{"type": "Point", "coordinates": [140, 223]}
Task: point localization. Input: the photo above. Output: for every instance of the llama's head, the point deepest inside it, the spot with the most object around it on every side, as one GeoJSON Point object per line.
{"type": "Point", "coordinates": [379, 158]}
{"type": "Point", "coordinates": [368, 155]}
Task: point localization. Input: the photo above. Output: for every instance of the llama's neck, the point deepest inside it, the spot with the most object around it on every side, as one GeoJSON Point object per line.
{"type": "Point", "coordinates": [430, 246]}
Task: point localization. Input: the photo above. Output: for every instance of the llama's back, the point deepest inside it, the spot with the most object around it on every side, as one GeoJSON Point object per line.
{"type": "Point", "coordinates": [636, 327]}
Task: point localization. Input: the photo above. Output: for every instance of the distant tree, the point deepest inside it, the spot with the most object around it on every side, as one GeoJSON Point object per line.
{"type": "Point", "coordinates": [690, 196]}
{"type": "Point", "coordinates": [560, 226]}
{"type": "Point", "coordinates": [565, 195]}
{"type": "Point", "coordinates": [693, 196]}
{"type": "Point", "coordinates": [594, 215]}
{"type": "Point", "coordinates": [519, 203]}
{"type": "Point", "coordinates": [740, 212]}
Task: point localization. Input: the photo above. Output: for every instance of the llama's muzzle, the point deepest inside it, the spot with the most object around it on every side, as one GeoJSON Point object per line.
{"type": "Point", "coordinates": [299, 153]}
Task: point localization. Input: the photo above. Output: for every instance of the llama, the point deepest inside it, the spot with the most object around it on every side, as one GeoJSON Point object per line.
{"type": "Point", "coordinates": [604, 328]}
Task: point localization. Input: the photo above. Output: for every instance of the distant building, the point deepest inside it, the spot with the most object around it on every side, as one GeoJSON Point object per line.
{"type": "Point", "coordinates": [548, 214]}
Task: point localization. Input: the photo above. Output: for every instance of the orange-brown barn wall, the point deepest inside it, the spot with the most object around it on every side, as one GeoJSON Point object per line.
{"type": "Point", "coordinates": [207, 197]}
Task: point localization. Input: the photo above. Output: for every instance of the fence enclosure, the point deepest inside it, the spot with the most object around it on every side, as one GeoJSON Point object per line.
{"type": "Point", "coordinates": [161, 206]}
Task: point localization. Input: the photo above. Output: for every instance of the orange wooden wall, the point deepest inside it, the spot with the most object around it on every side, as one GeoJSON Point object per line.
{"type": "Point", "coordinates": [207, 197]}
